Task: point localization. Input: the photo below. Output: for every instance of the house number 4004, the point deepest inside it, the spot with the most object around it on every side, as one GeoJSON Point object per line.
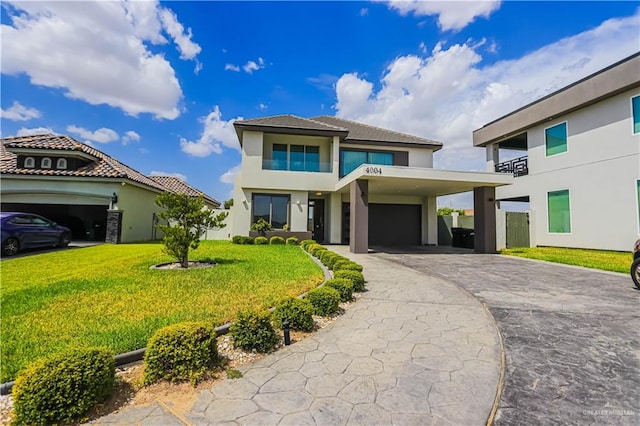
{"type": "Point", "coordinates": [373, 170]}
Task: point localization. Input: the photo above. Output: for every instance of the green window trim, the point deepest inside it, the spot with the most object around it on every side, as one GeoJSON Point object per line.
{"type": "Point", "coordinates": [555, 139]}
{"type": "Point", "coordinates": [635, 114]}
{"type": "Point", "coordinates": [559, 212]}
{"type": "Point", "coordinates": [638, 200]}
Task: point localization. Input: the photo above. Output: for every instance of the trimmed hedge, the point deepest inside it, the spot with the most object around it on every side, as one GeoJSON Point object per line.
{"type": "Point", "coordinates": [292, 241]}
{"type": "Point", "coordinates": [260, 241]}
{"type": "Point", "coordinates": [356, 278]}
{"type": "Point", "coordinates": [305, 244]}
{"type": "Point", "coordinates": [253, 330]}
{"type": "Point", "coordinates": [346, 264]}
{"type": "Point", "coordinates": [275, 240]}
{"type": "Point", "coordinates": [316, 249]}
{"type": "Point", "coordinates": [241, 239]}
{"type": "Point", "coordinates": [343, 286]}
{"type": "Point", "coordinates": [325, 300]}
{"type": "Point", "coordinates": [64, 387]}
{"type": "Point", "coordinates": [181, 352]}
{"type": "Point", "coordinates": [297, 312]}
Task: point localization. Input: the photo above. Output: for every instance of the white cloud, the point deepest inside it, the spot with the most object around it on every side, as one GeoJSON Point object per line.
{"type": "Point", "coordinates": [23, 131]}
{"type": "Point", "coordinates": [230, 175]}
{"type": "Point", "coordinates": [47, 41]}
{"type": "Point", "coordinates": [176, 175]}
{"type": "Point", "coordinates": [452, 14]}
{"type": "Point", "coordinates": [262, 107]}
{"type": "Point", "coordinates": [252, 66]}
{"type": "Point", "coordinates": [364, 11]}
{"type": "Point", "coordinates": [447, 94]}
{"type": "Point", "coordinates": [216, 133]}
{"type": "Point", "coordinates": [231, 67]}
{"type": "Point", "coordinates": [19, 112]}
{"type": "Point", "coordinates": [423, 47]}
{"type": "Point", "coordinates": [129, 137]}
{"type": "Point", "coordinates": [102, 135]}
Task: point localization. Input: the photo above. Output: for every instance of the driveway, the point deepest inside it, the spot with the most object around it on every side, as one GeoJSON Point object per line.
{"type": "Point", "coordinates": [571, 335]}
{"type": "Point", "coordinates": [42, 250]}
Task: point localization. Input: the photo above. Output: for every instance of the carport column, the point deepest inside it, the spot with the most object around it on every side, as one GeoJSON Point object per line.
{"type": "Point", "coordinates": [493, 156]}
{"type": "Point", "coordinates": [429, 221]}
{"type": "Point", "coordinates": [485, 219]}
{"type": "Point", "coordinates": [114, 226]}
{"type": "Point", "coordinates": [359, 220]}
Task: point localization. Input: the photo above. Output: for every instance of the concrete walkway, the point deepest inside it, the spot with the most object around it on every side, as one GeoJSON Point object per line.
{"type": "Point", "coordinates": [413, 350]}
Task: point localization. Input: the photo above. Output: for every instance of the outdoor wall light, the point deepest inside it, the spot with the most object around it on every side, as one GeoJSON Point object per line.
{"type": "Point", "coordinates": [114, 198]}
{"type": "Point", "coordinates": [298, 202]}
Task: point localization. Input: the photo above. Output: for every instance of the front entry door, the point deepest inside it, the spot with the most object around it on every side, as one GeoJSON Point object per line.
{"type": "Point", "coordinates": [316, 219]}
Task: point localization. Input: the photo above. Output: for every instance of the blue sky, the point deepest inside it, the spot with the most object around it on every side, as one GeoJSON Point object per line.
{"type": "Point", "coordinates": [158, 84]}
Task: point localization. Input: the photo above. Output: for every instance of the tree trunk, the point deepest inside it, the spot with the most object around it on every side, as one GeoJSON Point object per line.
{"type": "Point", "coordinates": [185, 261]}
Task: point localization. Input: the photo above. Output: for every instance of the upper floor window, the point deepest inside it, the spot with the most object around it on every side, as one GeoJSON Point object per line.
{"type": "Point", "coordinates": [635, 112]}
{"type": "Point", "coordinates": [351, 160]}
{"type": "Point", "coordinates": [61, 163]}
{"type": "Point", "coordinates": [559, 212]}
{"type": "Point", "coordinates": [46, 163]}
{"type": "Point", "coordinates": [555, 139]}
{"type": "Point", "coordinates": [29, 163]}
{"type": "Point", "coordinates": [294, 157]}
{"type": "Point", "coordinates": [271, 207]}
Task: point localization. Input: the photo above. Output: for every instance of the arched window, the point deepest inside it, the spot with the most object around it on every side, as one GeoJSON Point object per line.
{"type": "Point", "coordinates": [46, 163]}
{"type": "Point", "coordinates": [29, 163]}
{"type": "Point", "coordinates": [61, 163]}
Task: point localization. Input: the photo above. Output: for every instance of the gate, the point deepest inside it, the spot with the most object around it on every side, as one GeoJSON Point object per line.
{"type": "Point", "coordinates": [517, 229]}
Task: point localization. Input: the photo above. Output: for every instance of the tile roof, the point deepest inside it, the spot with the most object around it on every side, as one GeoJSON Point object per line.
{"type": "Point", "coordinates": [103, 167]}
{"type": "Point", "coordinates": [178, 186]}
{"type": "Point", "coordinates": [365, 132]}
{"type": "Point", "coordinates": [289, 121]}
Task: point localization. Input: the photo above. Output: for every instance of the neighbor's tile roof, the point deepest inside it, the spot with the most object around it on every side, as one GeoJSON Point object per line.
{"type": "Point", "coordinates": [289, 121]}
{"type": "Point", "coordinates": [103, 167]}
{"type": "Point", "coordinates": [365, 132]}
{"type": "Point", "coordinates": [178, 186]}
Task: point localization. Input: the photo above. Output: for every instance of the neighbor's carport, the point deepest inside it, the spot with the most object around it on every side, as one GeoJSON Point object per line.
{"type": "Point", "coordinates": [394, 224]}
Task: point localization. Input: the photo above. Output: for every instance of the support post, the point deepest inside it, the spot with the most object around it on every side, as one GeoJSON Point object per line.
{"type": "Point", "coordinates": [359, 220]}
{"type": "Point", "coordinates": [114, 226]}
{"type": "Point", "coordinates": [485, 219]}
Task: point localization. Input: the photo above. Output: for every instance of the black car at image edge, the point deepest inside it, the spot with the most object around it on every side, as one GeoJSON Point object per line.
{"type": "Point", "coordinates": [635, 266]}
{"type": "Point", "coordinates": [22, 231]}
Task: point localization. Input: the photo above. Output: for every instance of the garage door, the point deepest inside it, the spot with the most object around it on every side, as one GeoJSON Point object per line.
{"type": "Point", "coordinates": [395, 225]}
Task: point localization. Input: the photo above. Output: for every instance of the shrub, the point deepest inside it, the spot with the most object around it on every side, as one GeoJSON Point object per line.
{"type": "Point", "coordinates": [292, 241]}
{"type": "Point", "coordinates": [180, 352]}
{"type": "Point", "coordinates": [241, 239]}
{"type": "Point", "coordinates": [253, 330]}
{"type": "Point", "coordinates": [262, 226]}
{"type": "Point", "coordinates": [276, 240]}
{"type": "Point", "coordinates": [356, 278]}
{"type": "Point", "coordinates": [260, 241]}
{"type": "Point", "coordinates": [346, 264]}
{"type": "Point", "coordinates": [63, 387]}
{"type": "Point", "coordinates": [325, 300]}
{"type": "Point", "coordinates": [343, 286]}
{"type": "Point", "coordinates": [316, 249]}
{"type": "Point", "coordinates": [297, 312]}
{"type": "Point", "coordinates": [335, 260]}
{"type": "Point", "coordinates": [306, 243]}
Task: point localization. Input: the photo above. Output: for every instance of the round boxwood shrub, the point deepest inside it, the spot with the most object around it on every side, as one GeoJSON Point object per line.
{"type": "Point", "coordinates": [260, 241]}
{"type": "Point", "coordinates": [297, 312]}
{"type": "Point", "coordinates": [325, 300]}
{"type": "Point", "coordinates": [347, 264]}
{"type": "Point", "coordinates": [292, 241]}
{"type": "Point", "coordinates": [343, 286]}
{"type": "Point", "coordinates": [335, 260]}
{"type": "Point", "coordinates": [326, 256]}
{"type": "Point", "coordinates": [63, 387]}
{"type": "Point", "coordinates": [357, 279]}
{"type": "Point", "coordinates": [253, 330]}
{"type": "Point", "coordinates": [306, 243]}
{"type": "Point", "coordinates": [181, 352]}
{"type": "Point", "coordinates": [242, 239]}
{"type": "Point", "coordinates": [276, 240]}
{"type": "Point", "coordinates": [316, 249]}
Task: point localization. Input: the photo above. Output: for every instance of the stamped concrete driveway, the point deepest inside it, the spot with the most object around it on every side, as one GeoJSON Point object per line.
{"type": "Point", "coordinates": [571, 335]}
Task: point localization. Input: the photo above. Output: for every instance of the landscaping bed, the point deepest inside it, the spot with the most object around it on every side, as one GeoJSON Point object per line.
{"type": "Point", "coordinates": [614, 261]}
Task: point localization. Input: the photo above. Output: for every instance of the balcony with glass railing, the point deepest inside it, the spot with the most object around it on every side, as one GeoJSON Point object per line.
{"type": "Point", "coordinates": [294, 166]}
{"type": "Point", "coordinates": [517, 166]}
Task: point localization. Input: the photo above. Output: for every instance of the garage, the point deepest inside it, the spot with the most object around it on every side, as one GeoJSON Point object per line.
{"type": "Point", "coordinates": [86, 222]}
{"type": "Point", "coordinates": [395, 224]}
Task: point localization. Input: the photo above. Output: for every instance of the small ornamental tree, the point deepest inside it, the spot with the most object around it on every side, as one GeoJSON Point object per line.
{"type": "Point", "coordinates": [188, 219]}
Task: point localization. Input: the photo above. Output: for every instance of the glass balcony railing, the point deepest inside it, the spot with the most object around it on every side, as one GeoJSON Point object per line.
{"type": "Point", "coordinates": [517, 166]}
{"type": "Point", "coordinates": [319, 167]}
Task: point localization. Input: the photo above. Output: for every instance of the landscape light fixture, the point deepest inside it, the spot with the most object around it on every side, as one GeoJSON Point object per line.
{"type": "Point", "coordinates": [114, 198]}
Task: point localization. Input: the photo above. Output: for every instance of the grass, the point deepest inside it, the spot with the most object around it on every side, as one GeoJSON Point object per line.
{"type": "Point", "coordinates": [615, 261]}
{"type": "Point", "coordinates": [107, 296]}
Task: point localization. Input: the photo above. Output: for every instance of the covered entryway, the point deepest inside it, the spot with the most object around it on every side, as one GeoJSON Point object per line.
{"type": "Point", "coordinates": [86, 222]}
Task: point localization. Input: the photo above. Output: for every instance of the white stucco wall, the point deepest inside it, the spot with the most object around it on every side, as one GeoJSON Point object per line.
{"type": "Point", "coordinates": [138, 206]}
{"type": "Point", "coordinates": [56, 191]}
{"type": "Point", "coordinates": [600, 169]}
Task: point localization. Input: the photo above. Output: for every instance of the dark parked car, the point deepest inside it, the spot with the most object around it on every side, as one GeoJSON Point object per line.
{"type": "Point", "coordinates": [635, 266]}
{"type": "Point", "coordinates": [25, 230]}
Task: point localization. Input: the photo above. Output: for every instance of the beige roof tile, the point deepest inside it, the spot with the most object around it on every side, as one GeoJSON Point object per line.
{"type": "Point", "coordinates": [178, 186]}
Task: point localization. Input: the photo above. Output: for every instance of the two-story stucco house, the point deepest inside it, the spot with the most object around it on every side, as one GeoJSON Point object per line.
{"type": "Point", "coordinates": [350, 183]}
{"type": "Point", "coordinates": [580, 163]}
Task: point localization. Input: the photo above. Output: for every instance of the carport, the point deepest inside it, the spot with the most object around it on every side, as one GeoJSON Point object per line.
{"type": "Point", "coordinates": [371, 223]}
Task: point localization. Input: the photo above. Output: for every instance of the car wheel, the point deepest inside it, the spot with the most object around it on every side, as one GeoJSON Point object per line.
{"type": "Point", "coordinates": [65, 239]}
{"type": "Point", "coordinates": [11, 246]}
{"type": "Point", "coordinates": [635, 272]}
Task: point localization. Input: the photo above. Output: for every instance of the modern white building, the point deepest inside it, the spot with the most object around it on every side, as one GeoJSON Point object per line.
{"type": "Point", "coordinates": [343, 182]}
{"type": "Point", "coordinates": [579, 166]}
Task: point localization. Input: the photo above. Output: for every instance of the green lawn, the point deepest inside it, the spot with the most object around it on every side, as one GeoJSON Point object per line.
{"type": "Point", "coordinates": [615, 261]}
{"type": "Point", "coordinates": [107, 295]}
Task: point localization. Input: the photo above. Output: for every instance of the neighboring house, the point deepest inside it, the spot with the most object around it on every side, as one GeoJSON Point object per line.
{"type": "Point", "coordinates": [76, 185]}
{"type": "Point", "coordinates": [579, 168]}
{"type": "Point", "coordinates": [344, 182]}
